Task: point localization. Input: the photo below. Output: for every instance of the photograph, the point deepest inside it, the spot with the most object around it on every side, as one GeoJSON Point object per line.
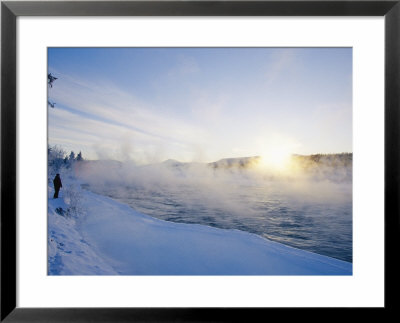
{"type": "Point", "coordinates": [189, 161]}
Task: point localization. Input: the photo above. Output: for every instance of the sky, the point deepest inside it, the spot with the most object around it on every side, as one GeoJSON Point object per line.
{"type": "Point", "coordinates": [199, 104]}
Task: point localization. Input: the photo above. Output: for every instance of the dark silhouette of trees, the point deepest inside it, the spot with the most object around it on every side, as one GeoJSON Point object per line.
{"type": "Point", "coordinates": [58, 158]}
{"type": "Point", "coordinates": [79, 157]}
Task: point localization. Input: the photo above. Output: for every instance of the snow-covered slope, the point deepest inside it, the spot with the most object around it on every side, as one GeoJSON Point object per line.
{"type": "Point", "coordinates": [105, 237]}
{"type": "Point", "coordinates": [68, 252]}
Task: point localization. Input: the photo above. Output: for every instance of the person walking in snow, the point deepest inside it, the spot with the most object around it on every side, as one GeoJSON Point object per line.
{"type": "Point", "coordinates": [57, 185]}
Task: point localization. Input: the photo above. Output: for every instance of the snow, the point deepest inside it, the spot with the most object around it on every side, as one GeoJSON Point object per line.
{"type": "Point", "coordinates": [96, 235]}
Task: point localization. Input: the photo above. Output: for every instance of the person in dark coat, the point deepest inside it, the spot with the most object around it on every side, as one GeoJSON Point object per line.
{"type": "Point", "coordinates": [57, 185]}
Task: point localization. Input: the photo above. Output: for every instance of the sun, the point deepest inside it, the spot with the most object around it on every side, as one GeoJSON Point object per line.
{"type": "Point", "coordinates": [276, 152]}
{"type": "Point", "coordinates": [276, 157]}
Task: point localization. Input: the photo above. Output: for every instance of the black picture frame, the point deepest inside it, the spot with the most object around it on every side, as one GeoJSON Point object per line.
{"type": "Point", "coordinates": [10, 10]}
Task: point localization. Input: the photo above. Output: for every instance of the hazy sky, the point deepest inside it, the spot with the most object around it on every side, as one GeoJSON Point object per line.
{"type": "Point", "coordinates": [200, 104]}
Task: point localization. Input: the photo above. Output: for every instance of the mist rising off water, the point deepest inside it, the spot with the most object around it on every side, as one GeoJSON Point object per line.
{"type": "Point", "coordinates": [309, 210]}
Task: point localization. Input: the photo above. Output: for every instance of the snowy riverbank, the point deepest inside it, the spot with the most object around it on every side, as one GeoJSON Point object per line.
{"type": "Point", "coordinates": [100, 236]}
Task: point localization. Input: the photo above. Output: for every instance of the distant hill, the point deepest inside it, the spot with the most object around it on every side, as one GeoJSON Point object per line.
{"type": "Point", "coordinates": [330, 160]}
{"type": "Point", "coordinates": [336, 167]}
{"type": "Point", "coordinates": [306, 162]}
{"type": "Point", "coordinates": [239, 162]}
{"type": "Point", "coordinates": [333, 167]}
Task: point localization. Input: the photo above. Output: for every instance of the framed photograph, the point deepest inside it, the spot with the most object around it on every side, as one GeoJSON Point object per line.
{"type": "Point", "coordinates": [197, 160]}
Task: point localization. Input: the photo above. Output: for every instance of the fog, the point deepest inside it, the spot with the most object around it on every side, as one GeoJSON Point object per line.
{"type": "Point", "coordinates": [221, 181]}
{"type": "Point", "coordinates": [306, 204]}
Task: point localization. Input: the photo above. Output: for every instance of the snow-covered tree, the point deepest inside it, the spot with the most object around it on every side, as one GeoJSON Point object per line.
{"type": "Point", "coordinates": [55, 156]}
{"type": "Point", "coordinates": [50, 80]}
{"type": "Point", "coordinates": [58, 158]}
{"type": "Point", "coordinates": [79, 156]}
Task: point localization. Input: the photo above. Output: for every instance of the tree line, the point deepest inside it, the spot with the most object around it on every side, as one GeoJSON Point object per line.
{"type": "Point", "coordinates": [58, 158]}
